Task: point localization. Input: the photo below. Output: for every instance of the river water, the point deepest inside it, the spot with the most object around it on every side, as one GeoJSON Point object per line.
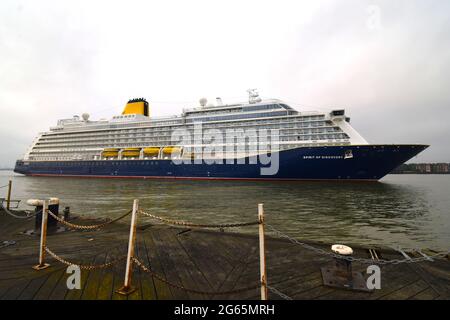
{"type": "Point", "coordinates": [408, 211]}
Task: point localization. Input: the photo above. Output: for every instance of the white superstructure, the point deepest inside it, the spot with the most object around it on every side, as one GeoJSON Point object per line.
{"type": "Point", "coordinates": [79, 138]}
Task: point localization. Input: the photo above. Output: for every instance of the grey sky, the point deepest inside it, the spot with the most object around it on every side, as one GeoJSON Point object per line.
{"type": "Point", "coordinates": [60, 58]}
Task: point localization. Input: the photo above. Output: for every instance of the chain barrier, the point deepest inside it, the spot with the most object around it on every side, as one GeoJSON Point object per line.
{"type": "Point", "coordinates": [354, 259]}
{"type": "Point", "coordinates": [29, 215]}
{"type": "Point", "coordinates": [84, 267]}
{"type": "Point", "coordinates": [190, 224]}
{"type": "Point", "coordinates": [7, 243]}
{"type": "Point", "coordinates": [157, 276]}
{"type": "Point", "coordinates": [87, 227]}
{"type": "Point", "coordinates": [279, 293]}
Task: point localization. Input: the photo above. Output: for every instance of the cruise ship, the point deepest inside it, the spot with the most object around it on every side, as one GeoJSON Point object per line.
{"type": "Point", "coordinates": [254, 140]}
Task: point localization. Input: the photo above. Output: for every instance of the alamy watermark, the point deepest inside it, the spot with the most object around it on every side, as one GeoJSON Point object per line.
{"type": "Point", "coordinates": [373, 22]}
{"type": "Point", "coordinates": [74, 280]}
{"type": "Point", "coordinates": [224, 147]}
{"type": "Point", "coordinates": [374, 280]}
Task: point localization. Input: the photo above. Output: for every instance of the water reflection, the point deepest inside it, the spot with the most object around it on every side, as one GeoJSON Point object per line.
{"type": "Point", "coordinates": [370, 213]}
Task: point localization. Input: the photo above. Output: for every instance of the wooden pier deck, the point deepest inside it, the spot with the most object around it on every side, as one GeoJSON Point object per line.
{"type": "Point", "coordinates": [201, 260]}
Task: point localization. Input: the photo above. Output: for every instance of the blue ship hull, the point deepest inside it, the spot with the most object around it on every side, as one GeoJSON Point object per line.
{"type": "Point", "coordinates": [365, 162]}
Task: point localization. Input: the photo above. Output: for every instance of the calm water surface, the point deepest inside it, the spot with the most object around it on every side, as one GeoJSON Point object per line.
{"type": "Point", "coordinates": [410, 211]}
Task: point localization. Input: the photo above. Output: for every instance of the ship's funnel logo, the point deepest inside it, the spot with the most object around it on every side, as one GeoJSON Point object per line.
{"type": "Point", "coordinates": [258, 149]}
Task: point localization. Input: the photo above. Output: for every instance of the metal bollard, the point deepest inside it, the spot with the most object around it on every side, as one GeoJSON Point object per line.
{"type": "Point", "coordinates": [39, 205]}
{"type": "Point", "coordinates": [66, 213]}
{"type": "Point", "coordinates": [53, 206]}
{"type": "Point", "coordinates": [341, 274]}
{"type": "Point", "coordinates": [343, 266]}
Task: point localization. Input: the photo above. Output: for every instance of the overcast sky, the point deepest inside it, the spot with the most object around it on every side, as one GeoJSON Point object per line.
{"type": "Point", "coordinates": [386, 62]}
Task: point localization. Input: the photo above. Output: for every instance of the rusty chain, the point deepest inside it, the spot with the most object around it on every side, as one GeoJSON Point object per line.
{"type": "Point", "coordinates": [190, 224]}
{"type": "Point", "coordinates": [87, 227]}
{"type": "Point", "coordinates": [29, 215]}
{"type": "Point", "coordinates": [157, 276]}
{"type": "Point", "coordinates": [84, 267]}
{"type": "Point", "coordinates": [354, 259]}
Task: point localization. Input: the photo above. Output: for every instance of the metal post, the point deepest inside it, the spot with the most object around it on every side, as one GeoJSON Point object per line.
{"type": "Point", "coordinates": [262, 253]}
{"type": "Point", "coordinates": [66, 213]}
{"type": "Point", "coordinates": [126, 289]}
{"type": "Point", "coordinates": [42, 264]}
{"type": "Point", "coordinates": [8, 199]}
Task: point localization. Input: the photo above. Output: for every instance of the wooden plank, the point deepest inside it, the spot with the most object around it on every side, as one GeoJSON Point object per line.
{"type": "Point", "coordinates": [408, 291]}
{"type": "Point", "coordinates": [106, 281]}
{"type": "Point", "coordinates": [151, 259]}
{"type": "Point", "coordinates": [313, 293]}
{"type": "Point", "coordinates": [207, 260]}
{"type": "Point", "coordinates": [117, 281]}
{"type": "Point", "coordinates": [93, 279]}
{"type": "Point", "coordinates": [47, 288]}
{"type": "Point", "coordinates": [33, 287]}
{"type": "Point", "coordinates": [189, 274]}
{"type": "Point", "coordinates": [427, 294]}
{"type": "Point", "coordinates": [241, 277]}
{"type": "Point", "coordinates": [147, 287]}
{"type": "Point", "coordinates": [60, 290]}
{"type": "Point", "coordinates": [7, 285]}
{"type": "Point", "coordinates": [14, 291]}
{"type": "Point", "coordinates": [137, 276]}
{"type": "Point", "coordinates": [163, 250]}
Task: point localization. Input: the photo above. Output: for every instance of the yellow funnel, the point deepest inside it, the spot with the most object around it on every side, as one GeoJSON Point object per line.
{"type": "Point", "coordinates": [137, 106]}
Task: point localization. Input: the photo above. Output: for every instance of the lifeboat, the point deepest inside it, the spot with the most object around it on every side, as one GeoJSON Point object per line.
{"type": "Point", "coordinates": [172, 150]}
{"type": "Point", "coordinates": [151, 151]}
{"type": "Point", "coordinates": [110, 152]}
{"type": "Point", "coordinates": [131, 152]}
{"type": "Point", "coordinates": [189, 155]}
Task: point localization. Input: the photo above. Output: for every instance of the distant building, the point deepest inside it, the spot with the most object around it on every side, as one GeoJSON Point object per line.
{"type": "Point", "coordinates": [441, 167]}
{"type": "Point", "coordinates": [424, 168]}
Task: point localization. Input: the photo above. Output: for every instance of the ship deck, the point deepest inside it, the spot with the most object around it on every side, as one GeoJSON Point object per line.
{"type": "Point", "coordinates": [196, 259]}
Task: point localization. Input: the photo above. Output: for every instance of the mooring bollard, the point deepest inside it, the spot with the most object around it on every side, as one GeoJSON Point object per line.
{"type": "Point", "coordinates": [262, 253]}
{"type": "Point", "coordinates": [52, 205]}
{"type": "Point", "coordinates": [42, 264]}
{"type": "Point", "coordinates": [343, 266]}
{"type": "Point", "coordinates": [66, 213]}
{"type": "Point", "coordinates": [126, 289]}
{"type": "Point", "coordinates": [38, 206]}
{"type": "Point", "coordinates": [8, 198]}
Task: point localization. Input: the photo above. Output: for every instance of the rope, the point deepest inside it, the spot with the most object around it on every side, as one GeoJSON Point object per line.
{"type": "Point", "coordinates": [190, 224]}
{"type": "Point", "coordinates": [20, 217]}
{"type": "Point", "coordinates": [84, 267]}
{"type": "Point", "coordinates": [89, 227]}
{"type": "Point", "coordinates": [350, 258]}
{"type": "Point", "coordinates": [149, 271]}
{"type": "Point", "coordinates": [6, 185]}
